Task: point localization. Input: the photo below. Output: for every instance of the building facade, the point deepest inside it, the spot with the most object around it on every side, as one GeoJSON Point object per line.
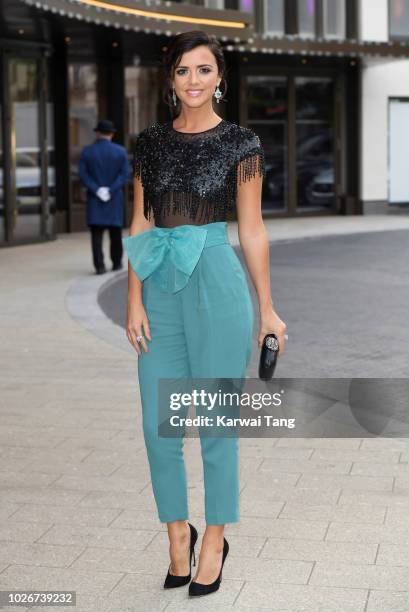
{"type": "Point", "coordinates": [384, 109]}
{"type": "Point", "coordinates": [322, 82]}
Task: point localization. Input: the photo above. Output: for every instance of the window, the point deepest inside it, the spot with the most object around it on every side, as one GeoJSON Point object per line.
{"type": "Point", "coordinates": [274, 18]}
{"type": "Point", "coordinates": [330, 19]}
{"type": "Point", "coordinates": [334, 18]}
{"type": "Point", "coordinates": [267, 111]}
{"type": "Point", "coordinates": [214, 4]}
{"type": "Point", "coordinates": [246, 5]}
{"type": "Point", "coordinates": [306, 18]}
{"type": "Point", "coordinates": [83, 115]}
{"type": "Point", "coordinates": [398, 18]}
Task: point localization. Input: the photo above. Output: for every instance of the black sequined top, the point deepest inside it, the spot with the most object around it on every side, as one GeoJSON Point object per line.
{"type": "Point", "coordinates": [193, 177]}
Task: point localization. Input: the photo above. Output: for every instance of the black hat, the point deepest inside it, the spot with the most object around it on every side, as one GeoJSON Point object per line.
{"type": "Point", "coordinates": [105, 126]}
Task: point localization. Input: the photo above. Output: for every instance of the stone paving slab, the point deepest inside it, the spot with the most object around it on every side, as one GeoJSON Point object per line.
{"type": "Point", "coordinates": [379, 601]}
{"type": "Point", "coordinates": [101, 537]}
{"type": "Point", "coordinates": [357, 576]}
{"type": "Point", "coordinates": [393, 554]}
{"type": "Point", "coordinates": [352, 513]}
{"type": "Point", "coordinates": [347, 532]}
{"type": "Point", "coordinates": [26, 577]}
{"type": "Point", "coordinates": [305, 550]}
{"type": "Point", "coordinates": [323, 525]}
{"type": "Point", "coordinates": [38, 554]}
{"type": "Point", "coordinates": [305, 598]}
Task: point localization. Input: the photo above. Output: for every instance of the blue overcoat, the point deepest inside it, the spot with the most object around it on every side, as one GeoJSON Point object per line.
{"type": "Point", "coordinates": [104, 164]}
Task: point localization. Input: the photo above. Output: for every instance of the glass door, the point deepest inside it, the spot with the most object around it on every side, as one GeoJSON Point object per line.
{"type": "Point", "coordinates": [267, 115]}
{"type": "Point", "coordinates": [315, 143]}
{"type": "Point", "coordinates": [26, 146]}
{"type": "Point", "coordinates": [49, 155]}
{"type": "Point", "coordinates": [25, 158]}
{"type": "Point", "coordinates": [294, 116]}
{"type": "Point", "coordinates": [2, 173]}
{"type": "Point", "coordinates": [83, 116]}
{"type": "Point", "coordinates": [142, 102]}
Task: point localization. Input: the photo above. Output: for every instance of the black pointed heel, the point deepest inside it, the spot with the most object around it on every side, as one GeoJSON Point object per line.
{"type": "Point", "coordinates": [197, 589]}
{"type": "Point", "coordinates": [172, 581]}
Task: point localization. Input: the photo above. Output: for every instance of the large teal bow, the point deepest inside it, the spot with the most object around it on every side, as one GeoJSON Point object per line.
{"type": "Point", "coordinates": [169, 255]}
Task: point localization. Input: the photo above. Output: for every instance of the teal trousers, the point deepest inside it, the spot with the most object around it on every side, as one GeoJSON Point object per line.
{"type": "Point", "coordinates": [200, 313]}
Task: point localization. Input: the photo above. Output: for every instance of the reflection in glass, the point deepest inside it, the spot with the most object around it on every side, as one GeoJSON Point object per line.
{"type": "Point", "coordinates": [334, 18]}
{"type": "Point", "coordinates": [315, 142]}
{"type": "Point", "coordinates": [214, 4]}
{"type": "Point", "coordinates": [306, 18]}
{"type": "Point", "coordinates": [267, 115]}
{"type": "Point", "coordinates": [399, 18]}
{"type": "Point", "coordinates": [266, 97]}
{"type": "Point", "coordinates": [2, 206]}
{"type": "Point", "coordinates": [83, 114]}
{"type": "Point", "coordinates": [142, 97]}
{"type": "Point", "coordinates": [314, 98]}
{"type": "Point", "coordinates": [50, 223]}
{"type": "Point", "coordinates": [142, 100]}
{"type": "Point", "coordinates": [26, 199]}
{"type": "Point", "coordinates": [246, 5]}
{"type": "Point", "coordinates": [274, 17]}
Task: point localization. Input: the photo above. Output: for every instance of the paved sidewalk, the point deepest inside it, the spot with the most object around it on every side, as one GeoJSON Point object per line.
{"type": "Point", "coordinates": [324, 523]}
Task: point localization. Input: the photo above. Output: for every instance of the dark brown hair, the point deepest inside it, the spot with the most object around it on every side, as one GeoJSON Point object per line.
{"type": "Point", "coordinates": [186, 41]}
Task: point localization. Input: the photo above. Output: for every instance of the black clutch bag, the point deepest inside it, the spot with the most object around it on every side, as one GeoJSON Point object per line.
{"type": "Point", "coordinates": [268, 357]}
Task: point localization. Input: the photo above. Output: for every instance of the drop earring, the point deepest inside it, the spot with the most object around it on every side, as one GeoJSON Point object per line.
{"type": "Point", "coordinates": [174, 97]}
{"type": "Point", "coordinates": [217, 94]}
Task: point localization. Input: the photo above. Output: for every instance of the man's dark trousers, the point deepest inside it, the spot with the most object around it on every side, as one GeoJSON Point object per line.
{"type": "Point", "coordinates": [105, 164]}
{"type": "Point", "coordinates": [116, 249]}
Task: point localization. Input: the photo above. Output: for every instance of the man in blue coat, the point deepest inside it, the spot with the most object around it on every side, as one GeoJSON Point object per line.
{"type": "Point", "coordinates": [104, 170]}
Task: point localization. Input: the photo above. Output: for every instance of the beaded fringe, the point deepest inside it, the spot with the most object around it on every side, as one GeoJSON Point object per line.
{"type": "Point", "coordinates": [250, 167]}
{"type": "Point", "coordinates": [188, 205]}
{"type": "Point", "coordinates": [137, 168]}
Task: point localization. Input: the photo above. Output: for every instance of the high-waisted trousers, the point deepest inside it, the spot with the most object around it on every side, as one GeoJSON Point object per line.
{"type": "Point", "coordinates": [197, 300]}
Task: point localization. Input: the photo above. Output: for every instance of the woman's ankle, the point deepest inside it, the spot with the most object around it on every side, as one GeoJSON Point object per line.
{"type": "Point", "coordinates": [178, 531]}
{"type": "Point", "coordinates": [214, 534]}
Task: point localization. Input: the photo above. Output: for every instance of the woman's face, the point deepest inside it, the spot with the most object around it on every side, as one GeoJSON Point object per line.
{"type": "Point", "coordinates": [196, 77]}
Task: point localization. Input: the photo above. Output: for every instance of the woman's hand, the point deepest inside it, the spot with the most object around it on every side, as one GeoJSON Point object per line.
{"type": "Point", "coordinates": [270, 323]}
{"type": "Point", "coordinates": [136, 320]}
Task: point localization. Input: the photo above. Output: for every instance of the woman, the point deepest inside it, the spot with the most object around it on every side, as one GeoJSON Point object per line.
{"type": "Point", "coordinates": [189, 306]}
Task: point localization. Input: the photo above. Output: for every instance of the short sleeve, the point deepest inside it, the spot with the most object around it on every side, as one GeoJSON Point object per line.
{"type": "Point", "coordinates": [250, 160]}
